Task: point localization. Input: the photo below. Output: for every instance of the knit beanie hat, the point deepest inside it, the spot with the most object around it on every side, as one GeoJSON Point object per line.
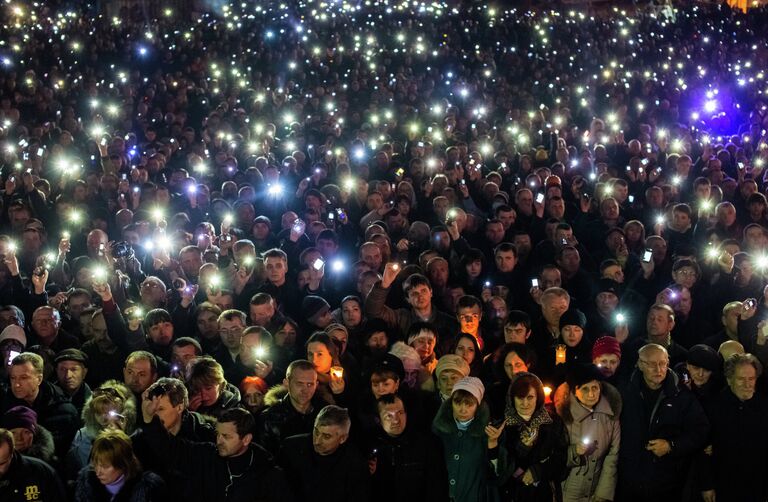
{"type": "Point", "coordinates": [606, 345]}
{"type": "Point", "coordinates": [314, 307]}
{"type": "Point", "coordinates": [19, 417]}
{"type": "Point", "coordinates": [573, 317]}
{"type": "Point", "coordinates": [473, 385]}
{"type": "Point", "coordinates": [452, 362]}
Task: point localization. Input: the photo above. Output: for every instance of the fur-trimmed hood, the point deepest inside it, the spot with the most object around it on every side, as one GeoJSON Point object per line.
{"type": "Point", "coordinates": [128, 402]}
{"type": "Point", "coordinates": [274, 395]}
{"type": "Point", "coordinates": [42, 446]}
{"type": "Point", "coordinates": [610, 402]}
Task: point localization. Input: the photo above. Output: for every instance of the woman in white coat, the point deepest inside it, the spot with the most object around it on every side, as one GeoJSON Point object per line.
{"type": "Point", "coordinates": [590, 409]}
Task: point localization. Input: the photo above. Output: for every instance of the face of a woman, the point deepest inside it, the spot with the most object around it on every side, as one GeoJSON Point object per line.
{"type": "Point", "coordinates": [514, 364]}
{"type": "Point", "coordinates": [318, 354]}
{"type": "Point", "coordinates": [685, 276]}
{"type": "Point", "coordinates": [588, 394]}
{"type": "Point", "coordinates": [526, 405]}
{"type": "Point", "coordinates": [107, 474]}
{"type": "Point", "coordinates": [699, 375]}
{"type": "Point", "coordinates": [464, 410]}
{"type": "Point", "coordinates": [466, 349]}
{"type": "Point", "coordinates": [350, 314]}
{"type": "Point", "coordinates": [474, 269]}
{"type": "Point", "coordinates": [572, 335]}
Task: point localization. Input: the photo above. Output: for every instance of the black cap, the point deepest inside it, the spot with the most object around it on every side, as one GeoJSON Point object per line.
{"type": "Point", "coordinates": [579, 374]}
{"type": "Point", "coordinates": [705, 357]}
{"type": "Point", "coordinates": [387, 362]}
{"type": "Point", "coordinates": [72, 355]}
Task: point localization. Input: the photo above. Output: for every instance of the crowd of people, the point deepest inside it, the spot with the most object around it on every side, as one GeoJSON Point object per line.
{"type": "Point", "coordinates": [421, 251]}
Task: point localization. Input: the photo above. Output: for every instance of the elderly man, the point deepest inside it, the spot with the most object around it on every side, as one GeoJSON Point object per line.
{"type": "Point", "coordinates": [71, 369]}
{"type": "Point", "coordinates": [659, 324]}
{"type": "Point", "coordinates": [662, 429]}
{"type": "Point", "coordinates": [322, 466]}
{"type": "Point", "coordinates": [739, 439]}
{"type": "Point", "coordinates": [54, 411]}
{"type": "Point", "coordinates": [46, 331]}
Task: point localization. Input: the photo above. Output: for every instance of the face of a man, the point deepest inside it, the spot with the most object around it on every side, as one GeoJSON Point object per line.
{"type": "Point", "coordinates": [70, 375]}
{"type": "Point", "coordinates": [161, 333]}
{"type": "Point", "coordinates": [326, 439]}
{"type": "Point", "coordinates": [302, 386]}
{"type": "Point", "coordinates": [6, 455]}
{"type": "Point", "coordinates": [653, 365]}
{"type": "Point", "coordinates": [276, 269]}
{"type": "Point", "coordinates": [743, 381]}
{"type": "Point", "coordinates": [138, 375]}
{"type": "Point", "coordinates": [207, 324]}
{"type": "Point", "coordinates": [505, 261]}
{"type": "Point", "coordinates": [230, 331]}
{"type": "Point", "coordinates": [262, 314]}
{"type": "Point", "coordinates": [45, 325]}
{"type": "Point", "coordinates": [659, 324]}
{"type": "Point", "coordinates": [228, 441]}
{"type": "Point", "coordinates": [169, 415]}
{"type": "Point", "coordinates": [25, 381]}
{"type": "Point", "coordinates": [469, 319]}
{"type": "Point", "coordinates": [420, 297]}
{"type": "Point", "coordinates": [393, 418]}
{"type": "Point", "coordinates": [553, 307]}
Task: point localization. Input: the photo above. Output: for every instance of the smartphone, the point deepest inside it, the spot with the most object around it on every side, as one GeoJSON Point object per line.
{"type": "Point", "coordinates": [645, 162]}
{"type": "Point", "coordinates": [539, 198]}
{"type": "Point", "coordinates": [534, 283]}
{"type": "Point", "coordinates": [647, 255]}
{"type": "Point", "coordinates": [342, 214]}
{"type": "Point", "coordinates": [124, 177]}
{"type": "Point", "coordinates": [400, 172]}
{"type": "Point", "coordinates": [318, 264]}
{"type": "Point", "coordinates": [631, 199]}
{"type": "Point", "coordinates": [564, 242]}
{"type": "Point", "coordinates": [463, 182]}
{"type": "Point", "coordinates": [750, 304]}
{"type": "Point", "coordinates": [331, 216]}
{"type": "Point", "coordinates": [40, 152]}
{"type": "Point", "coordinates": [11, 356]}
{"type": "Point", "coordinates": [585, 195]}
{"type": "Point", "coordinates": [103, 141]}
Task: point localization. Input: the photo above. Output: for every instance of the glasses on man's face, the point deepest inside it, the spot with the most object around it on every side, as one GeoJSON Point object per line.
{"type": "Point", "coordinates": [655, 364]}
{"type": "Point", "coordinates": [686, 273]}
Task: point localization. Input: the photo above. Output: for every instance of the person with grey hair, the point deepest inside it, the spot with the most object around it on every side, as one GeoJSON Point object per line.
{"type": "Point", "coordinates": [663, 428]}
{"type": "Point", "coordinates": [737, 459]}
{"type": "Point", "coordinates": [322, 464]}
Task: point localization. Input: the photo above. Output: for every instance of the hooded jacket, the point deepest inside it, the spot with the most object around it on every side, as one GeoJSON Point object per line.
{"type": "Point", "coordinates": [42, 446]}
{"type": "Point", "coordinates": [593, 475]}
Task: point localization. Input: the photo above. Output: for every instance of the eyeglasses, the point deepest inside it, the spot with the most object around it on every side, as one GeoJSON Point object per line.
{"type": "Point", "coordinates": [686, 273]}
{"type": "Point", "coordinates": [656, 364]}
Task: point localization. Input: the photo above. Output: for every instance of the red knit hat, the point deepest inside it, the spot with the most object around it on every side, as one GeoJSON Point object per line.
{"type": "Point", "coordinates": [606, 345]}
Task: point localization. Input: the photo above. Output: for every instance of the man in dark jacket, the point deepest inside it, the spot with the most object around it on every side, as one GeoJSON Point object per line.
{"type": "Point", "coordinates": [406, 464]}
{"type": "Point", "coordinates": [24, 478]}
{"type": "Point", "coordinates": [295, 413]}
{"type": "Point", "coordinates": [736, 468]}
{"type": "Point", "coordinates": [322, 466]}
{"type": "Point", "coordinates": [662, 428]}
{"type": "Point", "coordinates": [54, 411]}
{"type": "Point", "coordinates": [234, 469]}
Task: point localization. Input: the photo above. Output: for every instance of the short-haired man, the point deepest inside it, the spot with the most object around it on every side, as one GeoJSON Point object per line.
{"type": "Point", "coordinates": [423, 476]}
{"type": "Point", "coordinates": [323, 462]}
{"type": "Point", "coordinates": [418, 293]}
{"type": "Point", "coordinates": [140, 371]}
{"type": "Point", "coordinates": [71, 369]}
{"type": "Point", "coordinates": [659, 324]}
{"type": "Point", "coordinates": [54, 411]}
{"type": "Point", "coordinates": [663, 428]}
{"type": "Point", "coordinates": [231, 325]}
{"type": "Point", "coordinates": [285, 293]}
{"type": "Point", "coordinates": [26, 478]}
{"type": "Point", "coordinates": [295, 412]}
{"type": "Point", "coordinates": [230, 467]}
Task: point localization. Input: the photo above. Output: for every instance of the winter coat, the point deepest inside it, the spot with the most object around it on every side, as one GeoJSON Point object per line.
{"type": "Point", "coordinates": [677, 417]}
{"type": "Point", "coordinates": [408, 467]}
{"type": "Point", "coordinates": [30, 479]}
{"type": "Point", "coordinates": [42, 446]}
{"type": "Point", "coordinates": [739, 438]}
{"type": "Point", "coordinates": [250, 477]}
{"type": "Point", "coordinates": [595, 475]}
{"type": "Point", "coordinates": [342, 476]}
{"type": "Point", "coordinates": [146, 487]}
{"type": "Point", "coordinates": [465, 453]}
{"type": "Point", "coordinates": [282, 420]}
{"type": "Point", "coordinates": [545, 458]}
{"type": "Point", "coordinates": [54, 412]}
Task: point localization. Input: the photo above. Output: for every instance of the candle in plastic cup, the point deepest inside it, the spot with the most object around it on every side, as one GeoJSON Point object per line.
{"type": "Point", "coordinates": [337, 371]}
{"type": "Point", "coordinates": [560, 354]}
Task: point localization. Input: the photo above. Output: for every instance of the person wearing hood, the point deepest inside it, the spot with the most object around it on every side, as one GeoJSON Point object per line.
{"type": "Point", "coordinates": [211, 395]}
{"type": "Point", "coordinates": [702, 372]}
{"type": "Point", "coordinates": [590, 409]}
{"type": "Point", "coordinates": [533, 444]}
{"type": "Point", "coordinates": [572, 346]}
{"type": "Point", "coordinates": [29, 437]}
{"type": "Point", "coordinates": [111, 406]}
{"type": "Point", "coordinates": [460, 425]}
{"type": "Point", "coordinates": [663, 427]}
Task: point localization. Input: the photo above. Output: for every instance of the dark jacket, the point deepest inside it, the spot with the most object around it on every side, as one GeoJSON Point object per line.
{"type": "Point", "coordinates": [282, 420]}
{"type": "Point", "coordinates": [30, 479]}
{"type": "Point", "coordinates": [229, 398]}
{"type": "Point", "coordinates": [408, 467]}
{"type": "Point", "coordinates": [736, 469]}
{"type": "Point", "coordinates": [545, 458]}
{"type": "Point", "coordinates": [42, 446]}
{"type": "Point", "coordinates": [147, 487]}
{"type": "Point", "coordinates": [675, 416]}
{"type": "Point", "coordinates": [465, 454]}
{"type": "Point", "coordinates": [250, 477]}
{"type": "Point", "coordinates": [342, 476]}
{"type": "Point", "coordinates": [54, 412]}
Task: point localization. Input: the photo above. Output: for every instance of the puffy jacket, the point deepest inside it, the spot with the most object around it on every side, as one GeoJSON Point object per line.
{"type": "Point", "coordinates": [595, 475]}
{"type": "Point", "coordinates": [676, 417]}
{"type": "Point", "coordinates": [281, 421]}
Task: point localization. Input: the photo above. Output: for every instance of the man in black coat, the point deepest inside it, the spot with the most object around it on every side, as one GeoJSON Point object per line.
{"type": "Point", "coordinates": [736, 467]}
{"type": "Point", "coordinates": [26, 478]}
{"type": "Point", "coordinates": [234, 469]}
{"type": "Point", "coordinates": [54, 410]}
{"type": "Point", "coordinates": [322, 467]}
{"type": "Point", "coordinates": [406, 464]}
{"type": "Point", "coordinates": [662, 429]}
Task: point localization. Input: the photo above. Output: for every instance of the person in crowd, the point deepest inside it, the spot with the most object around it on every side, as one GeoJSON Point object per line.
{"type": "Point", "coordinates": [22, 476]}
{"type": "Point", "coordinates": [322, 465]}
{"type": "Point", "coordinates": [590, 409]}
{"type": "Point", "coordinates": [71, 370]}
{"type": "Point", "coordinates": [115, 473]}
{"type": "Point", "coordinates": [663, 428]}
{"type": "Point", "coordinates": [30, 438]}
